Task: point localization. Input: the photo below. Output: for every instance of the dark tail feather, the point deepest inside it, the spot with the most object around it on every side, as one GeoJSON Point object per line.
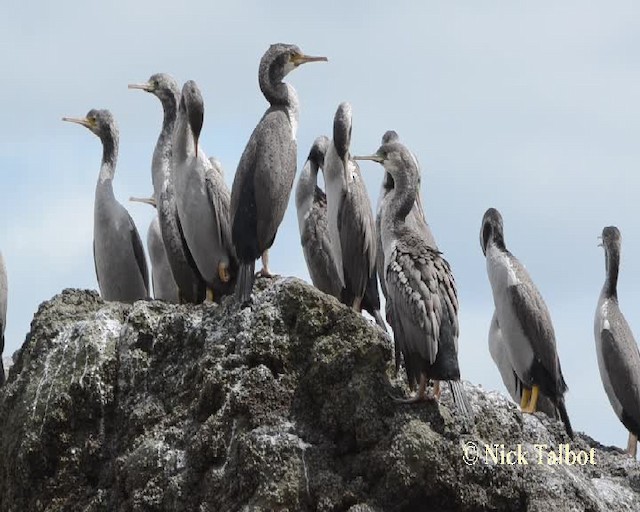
{"type": "Point", "coordinates": [379, 320]}
{"type": "Point", "coordinates": [564, 416]}
{"type": "Point", "coordinates": [246, 275]}
{"type": "Point", "coordinates": [460, 399]}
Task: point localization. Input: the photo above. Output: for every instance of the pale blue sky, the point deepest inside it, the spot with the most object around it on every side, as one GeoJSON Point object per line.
{"type": "Point", "coordinates": [533, 109]}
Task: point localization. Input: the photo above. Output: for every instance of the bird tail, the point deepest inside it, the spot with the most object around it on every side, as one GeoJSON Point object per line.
{"type": "Point", "coordinates": [564, 416]}
{"type": "Point", "coordinates": [246, 275]}
{"type": "Point", "coordinates": [460, 399]}
{"type": "Point", "coordinates": [379, 320]}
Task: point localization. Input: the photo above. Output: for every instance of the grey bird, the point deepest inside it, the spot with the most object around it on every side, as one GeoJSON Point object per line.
{"type": "Point", "coordinates": [420, 284]}
{"type": "Point", "coordinates": [311, 206]}
{"type": "Point", "coordinates": [202, 198]}
{"type": "Point", "coordinates": [3, 312]}
{"type": "Point", "coordinates": [500, 355]}
{"type": "Point", "coordinates": [416, 219]}
{"type": "Point", "coordinates": [525, 322]}
{"type": "Point", "coordinates": [183, 268]}
{"type": "Point", "coordinates": [350, 220]}
{"type": "Point", "coordinates": [267, 167]}
{"type": "Point", "coordinates": [616, 348]}
{"type": "Point", "coordinates": [162, 281]}
{"type": "Point", "coordinates": [121, 266]}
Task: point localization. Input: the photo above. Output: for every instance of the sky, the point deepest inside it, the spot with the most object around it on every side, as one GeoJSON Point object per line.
{"type": "Point", "coordinates": [530, 108]}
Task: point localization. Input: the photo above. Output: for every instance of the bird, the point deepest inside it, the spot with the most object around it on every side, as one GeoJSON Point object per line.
{"type": "Point", "coordinates": [524, 320]}
{"type": "Point", "coordinates": [311, 206]}
{"type": "Point", "coordinates": [421, 286]}
{"type": "Point", "coordinates": [203, 199]}
{"type": "Point", "coordinates": [191, 287]}
{"type": "Point", "coordinates": [416, 218]}
{"type": "Point", "coordinates": [120, 262]}
{"type": "Point", "coordinates": [350, 220]}
{"type": "Point", "coordinates": [3, 312]}
{"type": "Point", "coordinates": [616, 348]}
{"type": "Point", "coordinates": [266, 170]}
{"type": "Point", "coordinates": [500, 356]}
{"type": "Point", "coordinates": [162, 281]}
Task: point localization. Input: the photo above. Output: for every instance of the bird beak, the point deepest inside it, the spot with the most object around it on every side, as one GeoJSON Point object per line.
{"type": "Point", "coordinates": [374, 158]}
{"type": "Point", "coordinates": [303, 59]}
{"type": "Point", "coordinates": [78, 120]}
{"type": "Point", "coordinates": [146, 200]}
{"type": "Point", "coordinates": [144, 87]}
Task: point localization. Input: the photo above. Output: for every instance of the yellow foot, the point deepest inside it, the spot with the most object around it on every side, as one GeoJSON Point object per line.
{"type": "Point", "coordinates": [533, 403]}
{"type": "Point", "coordinates": [209, 297]}
{"type": "Point", "coordinates": [223, 273]}
{"type": "Point", "coordinates": [526, 396]}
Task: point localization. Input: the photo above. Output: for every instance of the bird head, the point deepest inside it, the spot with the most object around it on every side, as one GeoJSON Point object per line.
{"type": "Point", "coordinates": [280, 59]}
{"type": "Point", "coordinates": [191, 101]}
{"type": "Point", "coordinates": [100, 122]}
{"type": "Point", "coordinates": [491, 229]}
{"type": "Point", "coordinates": [318, 151]}
{"type": "Point", "coordinates": [162, 85]}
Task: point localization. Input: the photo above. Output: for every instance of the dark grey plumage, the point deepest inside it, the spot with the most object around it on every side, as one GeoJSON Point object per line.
{"type": "Point", "coordinates": [311, 206]}
{"type": "Point", "coordinates": [3, 312]}
{"type": "Point", "coordinates": [267, 167]}
{"type": "Point", "coordinates": [616, 348]}
{"type": "Point", "coordinates": [420, 284]}
{"type": "Point", "coordinates": [524, 320]}
{"type": "Point", "coordinates": [121, 266]}
{"type": "Point", "coordinates": [183, 268]}
{"type": "Point", "coordinates": [203, 198]}
{"type": "Point", "coordinates": [350, 220]}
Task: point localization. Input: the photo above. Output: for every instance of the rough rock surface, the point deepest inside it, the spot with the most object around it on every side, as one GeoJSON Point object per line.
{"type": "Point", "coordinates": [282, 406]}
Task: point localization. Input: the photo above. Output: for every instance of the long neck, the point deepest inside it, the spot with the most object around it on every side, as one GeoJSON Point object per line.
{"type": "Point", "coordinates": [162, 153]}
{"type": "Point", "coordinates": [305, 191]}
{"type": "Point", "coordinates": [400, 200]}
{"type": "Point", "coordinates": [612, 265]}
{"type": "Point", "coordinates": [183, 144]}
{"type": "Point", "coordinates": [109, 157]}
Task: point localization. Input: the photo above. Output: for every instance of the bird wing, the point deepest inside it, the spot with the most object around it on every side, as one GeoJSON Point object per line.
{"type": "Point", "coordinates": [274, 173]}
{"type": "Point", "coordinates": [423, 291]}
{"type": "Point", "coordinates": [621, 360]}
{"type": "Point", "coordinates": [95, 265]}
{"type": "Point", "coordinates": [138, 251]}
{"type": "Point", "coordinates": [220, 200]}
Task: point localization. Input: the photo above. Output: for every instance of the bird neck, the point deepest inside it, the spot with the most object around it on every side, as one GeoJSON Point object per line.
{"type": "Point", "coordinates": [612, 266]}
{"type": "Point", "coordinates": [183, 145]}
{"type": "Point", "coordinates": [109, 157]}
{"type": "Point", "coordinates": [400, 200]}
{"type": "Point", "coordinates": [277, 92]}
{"type": "Point", "coordinates": [162, 153]}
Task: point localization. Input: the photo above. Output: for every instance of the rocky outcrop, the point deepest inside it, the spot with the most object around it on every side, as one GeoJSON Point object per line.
{"type": "Point", "coordinates": [285, 405]}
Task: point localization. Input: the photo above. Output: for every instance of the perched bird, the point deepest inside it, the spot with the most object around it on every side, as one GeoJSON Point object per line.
{"type": "Point", "coordinates": [121, 266]}
{"type": "Point", "coordinates": [525, 322]}
{"type": "Point", "coordinates": [420, 284]}
{"type": "Point", "coordinates": [164, 285]}
{"type": "Point", "coordinates": [267, 167]}
{"type": "Point", "coordinates": [350, 220]}
{"type": "Point", "coordinates": [416, 219]}
{"type": "Point", "coordinates": [618, 355]}
{"type": "Point", "coordinates": [500, 355]}
{"type": "Point", "coordinates": [202, 198]}
{"type": "Point", "coordinates": [3, 312]}
{"type": "Point", "coordinates": [184, 270]}
{"type": "Point", "coordinates": [311, 206]}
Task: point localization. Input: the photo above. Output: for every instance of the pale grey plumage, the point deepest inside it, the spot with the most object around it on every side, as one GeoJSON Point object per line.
{"type": "Point", "coordinates": [164, 286]}
{"type": "Point", "coordinates": [183, 268]}
{"type": "Point", "coordinates": [350, 219]}
{"type": "Point", "coordinates": [121, 266]}
{"type": "Point", "coordinates": [267, 167]}
{"type": "Point", "coordinates": [202, 197]}
{"type": "Point", "coordinates": [523, 317]}
{"type": "Point", "coordinates": [616, 348]}
{"type": "Point", "coordinates": [500, 356]}
{"type": "Point", "coordinates": [311, 206]}
{"type": "Point", "coordinates": [419, 283]}
{"type": "Point", "coordinates": [3, 311]}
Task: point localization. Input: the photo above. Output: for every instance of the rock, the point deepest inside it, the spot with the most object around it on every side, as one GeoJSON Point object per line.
{"type": "Point", "coordinates": [281, 406]}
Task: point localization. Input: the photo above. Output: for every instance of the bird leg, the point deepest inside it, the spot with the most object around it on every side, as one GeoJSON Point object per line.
{"type": "Point", "coordinates": [533, 403]}
{"type": "Point", "coordinates": [265, 272]}
{"type": "Point", "coordinates": [632, 445]}
{"type": "Point", "coordinates": [526, 396]}
{"type": "Point", "coordinates": [420, 396]}
{"type": "Point", "coordinates": [223, 272]}
{"type": "Point", "coordinates": [209, 297]}
{"type": "Point", "coordinates": [437, 390]}
{"type": "Point", "coordinates": [357, 304]}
